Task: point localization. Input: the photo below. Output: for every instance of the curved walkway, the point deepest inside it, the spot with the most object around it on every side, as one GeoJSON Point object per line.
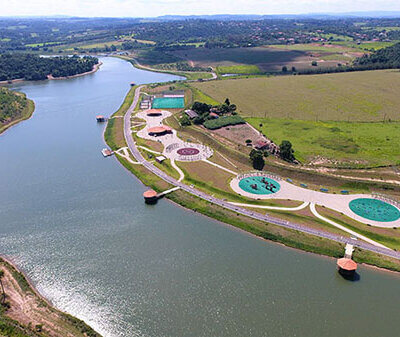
{"type": "Point", "coordinates": [181, 174]}
{"type": "Point", "coordinates": [262, 217]}
{"type": "Point", "coordinates": [337, 202]}
{"type": "Point", "coordinates": [278, 208]}
{"type": "Point", "coordinates": [362, 237]}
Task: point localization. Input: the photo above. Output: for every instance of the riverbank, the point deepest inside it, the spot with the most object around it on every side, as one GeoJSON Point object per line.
{"type": "Point", "coordinates": [27, 114]}
{"type": "Point", "coordinates": [50, 77]}
{"type": "Point", "coordinates": [26, 313]}
{"type": "Point", "coordinates": [114, 136]}
{"type": "Point", "coordinates": [95, 68]}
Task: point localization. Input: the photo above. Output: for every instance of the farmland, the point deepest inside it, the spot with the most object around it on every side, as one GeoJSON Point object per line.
{"type": "Point", "coordinates": [345, 120]}
{"type": "Point", "coordinates": [358, 96]}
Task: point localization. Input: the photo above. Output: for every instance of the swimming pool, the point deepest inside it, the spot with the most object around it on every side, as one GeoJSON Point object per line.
{"type": "Point", "coordinates": [374, 209]}
{"type": "Point", "coordinates": [259, 185]}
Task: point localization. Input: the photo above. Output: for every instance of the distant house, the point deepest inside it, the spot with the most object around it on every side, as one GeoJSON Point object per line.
{"type": "Point", "coordinates": [160, 159]}
{"type": "Point", "coordinates": [261, 145]}
{"type": "Point", "coordinates": [191, 114]}
{"type": "Point", "coordinates": [214, 115]}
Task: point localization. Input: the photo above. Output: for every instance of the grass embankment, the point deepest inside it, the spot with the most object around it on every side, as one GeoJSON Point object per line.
{"type": "Point", "coordinates": [15, 107]}
{"type": "Point", "coordinates": [285, 236]}
{"type": "Point", "coordinates": [348, 119]}
{"type": "Point", "coordinates": [26, 314]}
{"type": "Point", "coordinates": [244, 69]}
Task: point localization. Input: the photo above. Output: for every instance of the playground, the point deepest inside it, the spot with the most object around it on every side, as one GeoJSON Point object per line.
{"type": "Point", "coordinates": [259, 185]}
{"type": "Point", "coordinates": [375, 209]}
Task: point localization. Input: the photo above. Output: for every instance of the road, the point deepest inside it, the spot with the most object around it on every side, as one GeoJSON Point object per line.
{"type": "Point", "coordinates": [258, 216]}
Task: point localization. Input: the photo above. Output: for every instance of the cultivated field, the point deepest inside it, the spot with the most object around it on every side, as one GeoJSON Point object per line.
{"type": "Point", "coordinates": [270, 58]}
{"type": "Point", "coordinates": [359, 96]}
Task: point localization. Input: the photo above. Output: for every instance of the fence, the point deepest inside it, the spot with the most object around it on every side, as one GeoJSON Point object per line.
{"type": "Point", "coordinates": [259, 174]}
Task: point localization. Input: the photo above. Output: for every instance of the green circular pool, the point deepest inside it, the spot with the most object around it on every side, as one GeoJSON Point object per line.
{"type": "Point", "coordinates": [374, 209]}
{"type": "Point", "coordinates": [259, 185]}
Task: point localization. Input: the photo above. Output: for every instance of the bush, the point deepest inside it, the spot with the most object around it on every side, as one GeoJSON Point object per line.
{"type": "Point", "coordinates": [220, 122]}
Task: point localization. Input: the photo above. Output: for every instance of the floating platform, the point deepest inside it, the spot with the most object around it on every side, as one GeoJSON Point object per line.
{"type": "Point", "coordinates": [107, 152]}
{"type": "Point", "coordinates": [101, 119]}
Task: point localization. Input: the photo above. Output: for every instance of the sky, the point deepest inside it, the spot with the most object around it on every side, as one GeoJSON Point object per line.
{"type": "Point", "coordinates": [151, 8]}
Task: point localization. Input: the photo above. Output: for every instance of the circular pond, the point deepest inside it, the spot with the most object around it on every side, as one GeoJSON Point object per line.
{"type": "Point", "coordinates": [259, 185]}
{"type": "Point", "coordinates": [374, 209]}
{"type": "Point", "coordinates": [188, 151]}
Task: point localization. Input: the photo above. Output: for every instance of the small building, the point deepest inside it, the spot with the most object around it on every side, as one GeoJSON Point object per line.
{"type": "Point", "coordinates": [191, 114]}
{"type": "Point", "coordinates": [154, 113]}
{"type": "Point", "coordinates": [133, 84]}
{"type": "Point", "coordinates": [159, 131]}
{"type": "Point", "coordinates": [214, 115]}
{"type": "Point", "coordinates": [107, 152]}
{"type": "Point", "coordinates": [100, 118]}
{"type": "Point", "coordinates": [261, 145]}
{"type": "Point", "coordinates": [160, 159]}
{"type": "Point", "coordinates": [346, 267]}
{"type": "Point", "coordinates": [150, 197]}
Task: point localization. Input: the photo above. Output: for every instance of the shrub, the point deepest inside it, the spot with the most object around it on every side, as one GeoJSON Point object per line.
{"type": "Point", "coordinates": [214, 124]}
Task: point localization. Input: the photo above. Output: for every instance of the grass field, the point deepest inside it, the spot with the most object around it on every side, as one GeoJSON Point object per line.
{"type": "Point", "coordinates": [357, 96]}
{"type": "Point", "coordinates": [333, 119]}
{"type": "Point", "coordinates": [246, 69]}
{"type": "Point", "coordinates": [354, 144]}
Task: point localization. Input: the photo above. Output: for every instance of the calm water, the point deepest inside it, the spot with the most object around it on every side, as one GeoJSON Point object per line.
{"type": "Point", "coordinates": [77, 224]}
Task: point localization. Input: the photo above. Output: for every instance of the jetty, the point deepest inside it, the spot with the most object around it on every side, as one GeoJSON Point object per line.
{"type": "Point", "coordinates": [346, 266]}
{"type": "Point", "coordinates": [101, 119]}
{"type": "Point", "coordinates": [151, 196]}
{"type": "Point", "coordinates": [107, 152]}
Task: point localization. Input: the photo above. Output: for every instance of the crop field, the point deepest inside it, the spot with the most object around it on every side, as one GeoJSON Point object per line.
{"type": "Point", "coordinates": [357, 96]}
{"type": "Point", "coordinates": [268, 58]}
{"type": "Point", "coordinates": [350, 144]}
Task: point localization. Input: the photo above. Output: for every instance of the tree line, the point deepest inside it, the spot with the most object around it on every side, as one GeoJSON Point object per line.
{"type": "Point", "coordinates": [32, 67]}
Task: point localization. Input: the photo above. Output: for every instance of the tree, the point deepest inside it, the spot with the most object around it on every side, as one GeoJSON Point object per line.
{"type": "Point", "coordinates": [185, 121]}
{"type": "Point", "coordinates": [314, 63]}
{"type": "Point", "coordinates": [257, 159]}
{"type": "Point", "coordinates": [286, 151]}
{"type": "Point", "coordinates": [293, 69]}
{"type": "Point", "coordinates": [284, 69]}
{"type": "Point", "coordinates": [227, 102]}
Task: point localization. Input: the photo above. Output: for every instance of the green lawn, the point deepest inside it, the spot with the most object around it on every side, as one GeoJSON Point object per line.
{"type": "Point", "coordinates": [354, 144]}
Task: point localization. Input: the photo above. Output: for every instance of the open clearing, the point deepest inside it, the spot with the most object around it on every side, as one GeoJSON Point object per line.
{"type": "Point", "coordinates": [358, 96]}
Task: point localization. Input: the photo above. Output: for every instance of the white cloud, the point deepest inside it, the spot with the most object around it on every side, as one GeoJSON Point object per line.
{"type": "Point", "coordinates": [150, 8]}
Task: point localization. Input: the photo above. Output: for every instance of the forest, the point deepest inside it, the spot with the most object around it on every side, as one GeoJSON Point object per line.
{"type": "Point", "coordinates": [33, 67]}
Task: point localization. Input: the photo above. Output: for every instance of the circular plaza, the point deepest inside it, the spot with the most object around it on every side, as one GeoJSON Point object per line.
{"type": "Point", "coordinates": [183, 151]}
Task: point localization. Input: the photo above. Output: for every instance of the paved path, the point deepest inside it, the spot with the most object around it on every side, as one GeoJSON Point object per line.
{"type": "Point", "coordinates": [278, 208]}
{"type": "Point", "coordinates": [343, 228]}
{"type": "Point", "coordinates": [265, 218]}
{"type": "Point", "coordinates": [181, 174]}
{"type": "Point", "coordinates": [220, 167]}
{"type": "Point", "coordinates": [337, 202]}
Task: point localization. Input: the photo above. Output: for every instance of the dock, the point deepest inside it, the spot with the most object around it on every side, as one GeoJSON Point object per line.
{"type": "Point", "coordinates": [106, 152]}
{"type": "Point", "coordinates": [151, 196]}
{"type": "Point", "coordinates": [101, 119]}
{"type": "Point", "coordinates": [346, 266]}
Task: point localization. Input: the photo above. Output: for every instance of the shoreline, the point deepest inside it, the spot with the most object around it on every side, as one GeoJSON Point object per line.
{"type": "Point", "coordinates": [50, 77]}
{"type": "Point", "coordinates": [36, 308]}
{"type": "Point", "coordinates": [31, 110]}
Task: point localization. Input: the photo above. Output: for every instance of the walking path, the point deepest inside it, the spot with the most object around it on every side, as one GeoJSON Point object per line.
{"type": "Point", "coordinates": [220, 167]}
{"type": "Point", "coordinates": [278, 208]}
{"type": "Point", "coordinates": [181, 174]}
{"type": "Point", "coordinates": [254, 215]}
{"type": "Point", "coordinates": [362, 237]}
{"type": "Point", "coordinates": [337, 202]}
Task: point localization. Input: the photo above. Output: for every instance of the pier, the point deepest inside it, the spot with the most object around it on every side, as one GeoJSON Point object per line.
{"type": "Point", "coordinates": [151, 196]}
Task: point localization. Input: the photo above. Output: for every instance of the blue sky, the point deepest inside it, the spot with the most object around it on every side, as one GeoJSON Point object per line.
{"type": "Point", "coordinates": [149, 8]}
